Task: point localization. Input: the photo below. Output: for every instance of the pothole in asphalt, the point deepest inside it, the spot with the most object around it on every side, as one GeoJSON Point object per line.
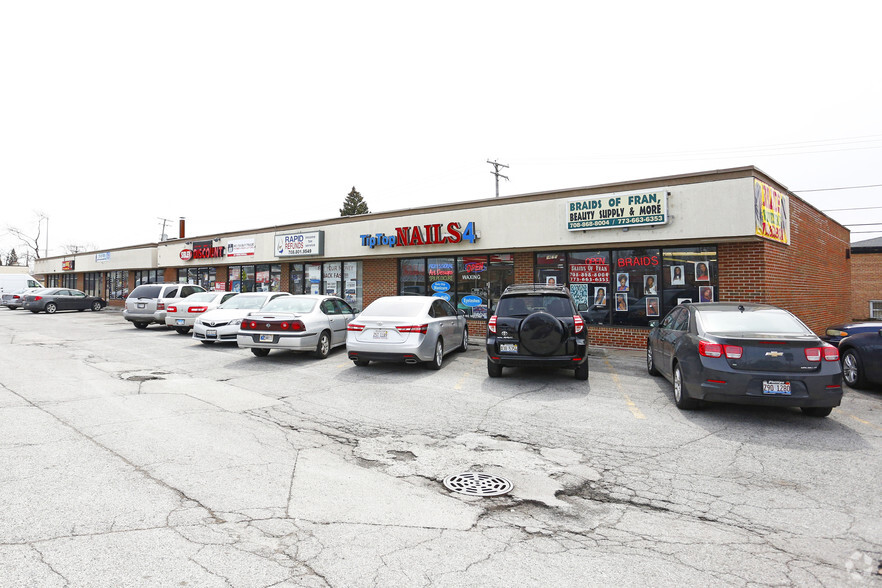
{"type": "Point", "coordinates": [478, 484]}
{"type": "Point", "coordinates": [143, 378]}
{"type": "Point", "coordinates": [402, 455]}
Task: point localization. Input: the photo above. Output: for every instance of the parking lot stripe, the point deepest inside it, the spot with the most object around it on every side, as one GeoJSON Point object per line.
{"type": "Point", "coordinates": [860, 420]}
{"type": "Point", "coordinates": [631, 405]}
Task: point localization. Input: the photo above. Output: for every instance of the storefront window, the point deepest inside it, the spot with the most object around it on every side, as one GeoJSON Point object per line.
{"type": "Point", "coordinates": [153, 276]}
{"type": "Point", "coordinates": [204, 276]}
{"type": "Point", "coordinates": [69, 281]}
{"type": "Point", "coordinates": [441, 277]}
{"type": "Point", "coordinates": [551, 268]}
{"type": "Point", "coordinates": [313, 278]}
{"type": "Point", "coordinates": [333, 278]}
{"type": "Point", "coordinates": [295, 279]}
{"type": "Point", "coordinates": [500, 276]}
{"type": "Point", "coordinates": [117, 285]}
{"type": "Point", "coordinates": [92, 285]}
{"type": "Point", "coordinates": [235, 283]}
{"type": "Point", "coordinates": [412, 277]}
{"type": "Point", "coordinates": [689, 274]}
{"type": "Point", "coordinates": [635, 296]}
{"type": "Point", "coordinates": [268, 277]}
{"type": "Point", "coordinates": [588, 277]}
{"type": "Point", "coordinates": [353, 292]}
{"type": "Point", "coordinates": [472, 296]}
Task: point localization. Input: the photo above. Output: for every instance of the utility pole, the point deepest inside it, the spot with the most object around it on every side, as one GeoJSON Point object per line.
{"type": "Point", "coordinates": [165, 221]}
{"type": "Point", "coordinates": [496, 165]}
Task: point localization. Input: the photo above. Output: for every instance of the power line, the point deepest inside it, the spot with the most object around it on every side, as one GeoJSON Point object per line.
{"type": "Point", "coordinates": [841, 188]}
{"type": "Point", "coordinates": [860, 224]}
{"type": "Point", "coordinates": [858, 208]}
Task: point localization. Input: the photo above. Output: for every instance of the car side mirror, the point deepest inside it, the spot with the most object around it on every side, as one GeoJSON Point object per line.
{"type": "Point", "coordinates": [653, 324]}
{"type": "Point", "coordinates": [582, 307]}
{"type": "Point", "coordinates": [460, 312]}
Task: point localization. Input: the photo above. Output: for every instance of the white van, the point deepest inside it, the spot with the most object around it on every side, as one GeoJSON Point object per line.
{"type": "Point", "coordinates": [12, 282]}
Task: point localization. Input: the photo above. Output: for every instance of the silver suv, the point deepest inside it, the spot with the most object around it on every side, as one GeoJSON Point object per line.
{"type": "Point", "coordinates": [146, 304]}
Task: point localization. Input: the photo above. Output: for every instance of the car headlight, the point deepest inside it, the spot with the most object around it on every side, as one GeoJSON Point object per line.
{"type": "Point", "coordinates": [236, 322]}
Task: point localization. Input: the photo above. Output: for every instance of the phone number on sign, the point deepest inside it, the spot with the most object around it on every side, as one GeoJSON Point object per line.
{"type": "Point", "coordinates": [613, 222]}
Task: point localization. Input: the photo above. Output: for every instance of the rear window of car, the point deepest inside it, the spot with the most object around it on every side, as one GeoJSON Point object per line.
{"type": "Point", "coordinates": [400, 306]}
{"type": "Point", "coordinates": [523, 305]}
{"type": "Point", "coordinates": [245, 301]}
{"type": "Point", "coordinates": [767, 321]}
{"type": "Point", "coordinates": [146, 291]}
{"type": "Point", "coordinates": [202, 297]}
{"type": "Point", "coordinates": [290, 304]}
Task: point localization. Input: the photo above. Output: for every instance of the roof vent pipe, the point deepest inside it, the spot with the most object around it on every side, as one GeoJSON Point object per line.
{"type": "Point", "coordinates": [181, 228]}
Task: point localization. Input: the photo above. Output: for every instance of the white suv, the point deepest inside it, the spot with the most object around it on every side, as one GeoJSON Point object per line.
{"type": "Point", "coordinates": [146, 304]}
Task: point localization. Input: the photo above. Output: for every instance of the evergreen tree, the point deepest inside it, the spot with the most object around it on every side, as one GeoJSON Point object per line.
{"type": "Point", "coordinates": [12, 258]}
{"type": "Point", "coordinates": [354, 204]}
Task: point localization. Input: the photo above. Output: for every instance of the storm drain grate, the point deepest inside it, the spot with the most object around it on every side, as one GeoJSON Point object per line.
{"type": "Point", "coordinates": [478, 484]}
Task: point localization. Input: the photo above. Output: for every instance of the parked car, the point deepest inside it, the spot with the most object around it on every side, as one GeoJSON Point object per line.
{"type": "Point", "coordinates": [51, 300]}
{"type": "Point", "coordinates": [537, 325]}
{"type": "Point", "coordinates": [222, 323]}
{"type": "Point", "coordinates": [146, 304]}
{"type": "Point", "coordinates": [833, 335]}
{"type": "Point", "coordinates": [862, 359]}
{"type": "Point", "coordinates": [297, 323]}
{"type": "Point", "coordinates": [180, 315]}
{"type": "Point", "coordinates": [13, 300]}
{"type": "Point", "coordinates": [744, 354]}
{"type": "Point", "coordinates": [408, 329]}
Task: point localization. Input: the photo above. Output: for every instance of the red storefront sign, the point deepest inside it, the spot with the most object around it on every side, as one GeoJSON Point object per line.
{"type": "Point", "coordinates": [589, 273]}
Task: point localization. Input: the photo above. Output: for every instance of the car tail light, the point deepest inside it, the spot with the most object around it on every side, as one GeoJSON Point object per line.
{"type": "Point", "coordinates": [243, 326]}
{"type": "Point", "coordinates": [173, 309]}
{"type": "Point", "coordinates": [37, 298]}
{"type": "Point", "coordinates": [708, 349]}
{"type": "Point", "coordinates": [251, 324]}
{"type": "Point", "coordinates": [828, 352]}
{"type": "Point", "coordinates": [578, 323]}
{"type": "Point", "coordinates": [413, 329]}
{"type": "Point", "coordinates": [355, 327]}
{"type": "Point", "coordinates": [160, 306]}
{"type": "Point", "coordinates": [491, 326]}
{"type": "Point", "coordinates": [195, 309]}
{"type": "Point", "coordinates": [733, 351]}
{"type": "Point", "coordinates": [16, 297]}
{"type": "Point", "coordinates": [836, 333]}
{"type": "Point", "coordinates": [298, 326]}
{"type": "Point", "coordinates": [813, 353]}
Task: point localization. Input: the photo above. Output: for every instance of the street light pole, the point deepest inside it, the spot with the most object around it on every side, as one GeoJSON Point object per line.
{"type": "Point", "coordinates": [46, 248]}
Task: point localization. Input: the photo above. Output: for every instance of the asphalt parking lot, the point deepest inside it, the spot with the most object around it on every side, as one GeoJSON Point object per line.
{"type": "Point", "coordinates": [143, 458]}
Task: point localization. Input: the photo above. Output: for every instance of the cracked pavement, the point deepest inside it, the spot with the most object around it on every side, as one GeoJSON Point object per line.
{"type": "Point", "coordinates": [143, 458]}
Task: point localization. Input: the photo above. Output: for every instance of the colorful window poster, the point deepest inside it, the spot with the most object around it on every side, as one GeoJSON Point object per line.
{"type": "Point", "coordinates": [649, 284]}
{"type": "Point", "coordinates": [678, 277]}
{"type": "Point", "coordinates": [623, 282]}
{"type": "Point", "coordinates": [702, 274]}
{"type": "Point", "coordinates": [652, 306]}
{"type": "Point", "coordinates": [771, 210]}
{"type": "Point", "coordinates": [580, 293]}
{"type": "Point", "coordinates": [621, 303]}
{"type": "Point", "coordinates": [706, 294]}
{"type": "Point", "coordinates": [600, 297]}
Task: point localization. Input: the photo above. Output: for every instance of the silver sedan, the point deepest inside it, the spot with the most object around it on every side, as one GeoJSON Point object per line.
{"type": "Point", "coordinates": [181, 315]}
{"type": "Point", "coordinates": [222, 323]}
{"type": "Point", "coordinates": [408, 329]}
{"type": "Point", "coordinates": [297, 323]}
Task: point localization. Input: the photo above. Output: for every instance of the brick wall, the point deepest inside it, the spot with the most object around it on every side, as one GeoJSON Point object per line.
{"type": "Point", "coordinates": [866, 279]}
{"type": "Point", "coordinates": [380, 277]}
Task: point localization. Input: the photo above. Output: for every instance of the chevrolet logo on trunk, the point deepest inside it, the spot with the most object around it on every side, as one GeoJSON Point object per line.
{"type": "Point", "coordinates": [774, 354]}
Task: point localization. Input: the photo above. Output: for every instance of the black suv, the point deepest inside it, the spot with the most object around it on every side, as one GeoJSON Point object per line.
{"type": "Point", "coordinates": [537, 325]}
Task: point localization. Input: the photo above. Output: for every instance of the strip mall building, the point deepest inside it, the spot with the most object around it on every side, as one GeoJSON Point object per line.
{"type": "Point", "coordinates": [630, 251]}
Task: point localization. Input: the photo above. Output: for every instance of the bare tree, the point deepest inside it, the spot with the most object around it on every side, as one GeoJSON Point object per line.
{"type": "Point", "coordinates": [30, 240]}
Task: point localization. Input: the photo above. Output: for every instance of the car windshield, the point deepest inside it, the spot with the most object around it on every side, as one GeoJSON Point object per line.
{"type": "Point", "coordinates": [558, 306]}
{"type": "Point", "coordinates": [772, 321]}
{"type": "Point", "coordinates": [201, 297]}
{"type": "Point", "coordinates": [245, 301]}
{"type": "Point", "coordinates": [399, 306]}
{"type": "Point", "coordinates": [290, 304]}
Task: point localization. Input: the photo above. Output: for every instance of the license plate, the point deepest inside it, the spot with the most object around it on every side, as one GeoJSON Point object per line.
{"type": "Point", "coordinates": [776, 387]}
{"type": "Point", "coordinates": [266, 339]}
{"type": "Point", "coordinates": [142, 305]}
{"type": "Point", "coordinates": [211, 334]}
{"type": "Point", "coordinates": [381, 334]}
{"type": "Point", "coordinates": [179, 321]}
{"type": "Point", "coordinates": [508, 348]}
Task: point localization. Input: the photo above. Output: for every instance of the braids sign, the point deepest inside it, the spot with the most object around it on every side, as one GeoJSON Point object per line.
{"type": "Point", "coordinates": [617, 210]}
{"type": "Point", "coordinates": [771, 210]}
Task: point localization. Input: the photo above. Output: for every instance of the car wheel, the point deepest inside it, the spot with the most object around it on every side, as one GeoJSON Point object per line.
{"type": "Point", "coordinates": [324, 345]}
{"type": "Point", "coordinates": [437, 359]}
{"type": "Point", "coordinates": [681, 398]}
{"type": "Point", "coordinates": [464, 346]}
{"type": "Point", "coordinates": [258, 351]}
{"type": "Point", "coordinates": [206, 342]}
{"type": "Point", "coordinates": [817, 411]}
{"type": "Point", "coordinates": [582, 371]}
{"type": "Point", "coordinates": [494, 370]}
{"type": "Point", "coordinates": [140, 325]}
{"type": "Point", "coordinates": [853, 369]}
{"type": "Point", "coordinates": [182, 330]}
{"type": "Point", "coordinates": [650, 364]}
{"type": "Point", "coordinates": [361, 362]}
{"type": "Point", "coordinates": [50, 308]}
{"type": "Point", "coordinates": [96, 306]}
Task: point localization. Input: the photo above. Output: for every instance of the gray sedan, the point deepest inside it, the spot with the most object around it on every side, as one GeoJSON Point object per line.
{"type": "Point", "coordinates": [408, 329]}
{"type": "Point", "coordinates": [297, 323]}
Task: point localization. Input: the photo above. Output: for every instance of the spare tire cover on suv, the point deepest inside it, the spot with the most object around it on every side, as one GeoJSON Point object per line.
{"type": "Point", "coordinates": [542, 333]}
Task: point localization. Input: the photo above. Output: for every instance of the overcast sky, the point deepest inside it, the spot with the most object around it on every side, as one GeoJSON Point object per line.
{"type": "Point", "coordinates": [252, 114]}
